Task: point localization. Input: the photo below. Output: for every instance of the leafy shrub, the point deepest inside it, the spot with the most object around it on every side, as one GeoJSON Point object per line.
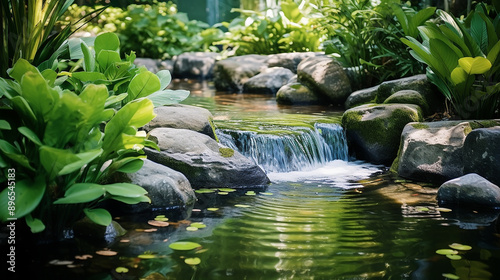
{"type": "Point", "coordinates": [268, 32]}
{"type": "Point", "coordinates": [463, 61]}
{"type": "Point", "coordinates": [365, 38]}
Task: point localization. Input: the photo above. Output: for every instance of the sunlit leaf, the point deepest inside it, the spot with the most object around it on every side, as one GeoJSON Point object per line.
{"type": "Point", "coordinates": [223, 193]}
{"type": "Point", "coordinates": [250, 193]}
{"type": "Point", "coordinates": [226, 190]}
{"type": "Point", "coordinates": [242, 205]}
{"type": "Point", "coordinates": [198, 225]}
{"type": "Point", "coordinates": [476, 65]}
{"type": "Point", "coordinates": [184, 245]}
{"type": "Point", "coordinates": [454, 257]}
{"type": "Point", "coordinates": [191, 228]}
{"type": "Point", "coordinates": [146, 256]}
{"type": "Point", "coordinates": [121, 269]}
{"type": "Point", "coordinates": [212, 209]}
{"type": "Point", "coordinates": [192, 261]}
{"type": "Point", "coordinates": [461, 247]}
{"type": "Point", "coordinates": [446, 252]}
{"type": "Point", "coordinates": [204, 191]}
{"type": "Point", "coordinates": [450, 276]}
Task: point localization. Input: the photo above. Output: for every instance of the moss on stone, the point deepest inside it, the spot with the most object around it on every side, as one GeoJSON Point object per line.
{"type": "Point", "coordinates": [420, 126]}
{"type": "Point", "coordinates": [226, 152]}
{"type": "Point", "coordinates": [483, 124]}
{"type": "Point", "coordinates": [467, 130]}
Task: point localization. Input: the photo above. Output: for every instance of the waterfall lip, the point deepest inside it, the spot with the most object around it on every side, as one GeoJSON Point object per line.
{"type": "Point", "coordinates": [337, 173]}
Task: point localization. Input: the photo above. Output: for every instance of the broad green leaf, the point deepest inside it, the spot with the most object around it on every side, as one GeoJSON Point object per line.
{"type": "Point", "coordinates": [14, 154]}
{"type": "Point", "coordinates": [114, 99]}
{"type": "Point", "coordinates": [49, 75]}
{"type": "Point", "coordinates": [38, 94]}
{"type": "Point", "coordinates": [447, 57]}
{"type": "Point", "coordinates": [168, 97]}
{"type": "Point", "coordinates": [81, 193]}
{"type": "Point", "coordinates": [131, 200]}
{"type": "Point", "coordinates": [165, 78]}
{"type": "Point", "coordinates": [117, 71]}
{"type": "Point", "coordinates": [490, 29]}
{"type": "Point", "coordinates": [4, 125]}
{"type": "Point", "coordinates": [493, 54]}
{"type": "Point", "coordinates": [88, 76]}
{"type": "Point", "coordinates": [75, 48]}
{"type": "Point", "coordinates": [476, 65]}
{"type": "Point", "coordinates": [125, 189]}
{"type": "Point", "coordinates": [84, 158]}
{"type": "Point", "coordinates": [30, 135]}
{"type": "Point", "coordinates": [131, 165]}
{"type": "Point", "coordinates": [479, 32]}
{"type": "Point", "coordinates": [107, 41]}
{"type": "Point", "coordinates": [54, 160]}
{"type": "Point", "coordinates": [106, 58]}
{"type": "Point", "coordinates": [36, 225]}
{"type": "Point", "coordinates": [21, 68]}
{"type": "Point", "coordinates": [446, 252]}
{"type": "Point", "coordinates": [450, 276]}
{"type": "Point", "coordinates": [402, 18]}
{"type": "Point", "coordinates": [291, 11]}
{"type": "Point", "coordinates": [142, 85]}
{"type": "Point", "coordinates": [65, 120]}
{"type": "Point", "coordinates": [88, 58]}
{"type": "Point", "coordinates": [458, 75]}
{"type": "Point", "coordinates": [28, 195]}
{"type": "Point", "coordinates": [421, 17]}
{"type": "Point", "coordinates": [99, 216]}
{"type": "Point", "coordinates": [184, 246]}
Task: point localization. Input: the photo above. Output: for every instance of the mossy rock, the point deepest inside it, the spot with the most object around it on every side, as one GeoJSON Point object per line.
{"type": "Point", "coordinates": [296, 93]}
{"type": "Point", "coordinates": [409, 97]}
{"type": "Point", "coordinates": [374, 131]}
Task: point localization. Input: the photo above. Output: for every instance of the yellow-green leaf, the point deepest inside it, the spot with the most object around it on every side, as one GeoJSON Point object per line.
{"type": "Point", "coordinates": [476, 65]}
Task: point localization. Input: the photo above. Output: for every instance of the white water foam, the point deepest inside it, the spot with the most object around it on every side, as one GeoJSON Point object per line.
{"type": "Point", "coordinates": [337, 173]}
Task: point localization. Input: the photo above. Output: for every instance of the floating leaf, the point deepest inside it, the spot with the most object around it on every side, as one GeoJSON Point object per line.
{"type": "Point", "coordinates": [158, 223]}
{"type": "Point", "coordinates": [198, 225]}
{"type": "Point", "coordinates": [242, 205]}
{"type": "Point", "coordinates": [84, 257]}
{"type": "Point", "coordinates": [107, 253]}
{"type": "Point", "coordinates": [121, 269]}
{"type": "Point", "coordinates": [250, 193]}
{"type": "Point", "coordinates": [191, 228]}
{"type": "Point", "coordinates": [442, 209]}
{"type": "Point", "coordinates": [163, 219]}
{"type": "Point", "coordinates": [446, 252]}
{"type": "Point", "coordinates": [227, 190]}
{"type": "Point", "coordinates": [458, 246]}
{"type": "Point", "coordinates": [454, 257]}
{"type": "Point", "coordinates": [212, 209]}
{"type": "Point", "coordinates": [204, 191]}
{"type": "Point", "coordinates": [223, 193]}
{"type": "Point", "coordinates": [192, 261]}
{"type": "Point", "coordinates": [266, 193]}
{"type": "Point", "coordinates": [146, 256]}
{"type": "Point", "coordinates": [184, 245]}
{"type": "Point", "coordinates": [450, 276]}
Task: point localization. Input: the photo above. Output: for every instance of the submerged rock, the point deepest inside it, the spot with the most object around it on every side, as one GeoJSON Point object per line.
{"type": "Point", "coordinates": [482, 153]}
{"type": "Point", "coordinates": [87, 229]}
{"type": "Point", "coordinates": [166, 188]}
{"type": "Point", "coordinates": [183, 116]}
{"type": "Point", "coordinates": [326, 77]}
{"type": "Point", "coordinates": [296, 93]}
{"type": "Point", "coordinates": [374, 131]}
{"type": "Point", "coordinates": [232, 73]}
{"type": "Point", "coordinates": [469, 190]}
{"type": "Point", "coordinates": [203, 161]}
{"type": "Point", "coordinates": [432, 151]}
{"type": "Point", "coordinates": [195, 65]}
{"type": "Point", "coordinates": [268, 81]}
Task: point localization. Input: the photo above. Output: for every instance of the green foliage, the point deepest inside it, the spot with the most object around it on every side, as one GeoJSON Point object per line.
{"type": "Point", "coordinates": [102, 64]}
{"type": "Point", "coordinates": [61, 154]}
{"type": "Point", "coordinates": [463, 61]}
{"type": "Point", "coordinates": [154, 31]}
{"type": "Point", "coordinates": [272, 31]}
{"type": "Point", "coordinates": [366, 38]}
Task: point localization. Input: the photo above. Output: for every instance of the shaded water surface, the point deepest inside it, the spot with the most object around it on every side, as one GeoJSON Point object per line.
{"type": "Point", "coordinates": [323, 217]}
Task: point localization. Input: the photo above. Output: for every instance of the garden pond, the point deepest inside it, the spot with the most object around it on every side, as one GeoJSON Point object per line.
{"type": "Point", "coordinates": [324, 216]}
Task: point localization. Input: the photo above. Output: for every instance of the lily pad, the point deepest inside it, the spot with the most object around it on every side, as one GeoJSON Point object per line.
{"type": "Point", "coordinates": [223, 193]}
{"type": "Point", "coordinates": [121, 269]}
{"type": "Point", "coordinates": [184, 245]}
{"type": "Point", "coordinates": [242, 205]}
{"type": "Point", "coordinates": [146, 256]}
{"type": "Point", "coordinates": [191, 228]}
{"type": "Point", "coordinates": [158, 223]}
{"type": "Point", "coordinates": [227, 190]}
{"type": "Point", "coordinates": [192, 261]}
{"type": "Point", "coordinates": [198, 225]}
{"type": "Point", "coordinates": [250, 193]}
{"type": "Point", "coordinates": [204, 191]}
{"type": "Point", "coordinates": [446, 252]}
{"type": "Point", "coordinates": [461, 247]}
{"type": "Point", "coordinates": [454, 257]}
{"type": "Point", "coordinates": [212, 209]}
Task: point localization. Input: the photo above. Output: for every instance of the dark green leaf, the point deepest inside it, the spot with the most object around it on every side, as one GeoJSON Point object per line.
{"type": "Point", "coordinates": [28, 195]}
{"type": "Point", "coordinates": [125, 189]}
{"type": "Point", "coordinates": [99, 216]}
{"type": "Point", "coordinates": [81, 193]}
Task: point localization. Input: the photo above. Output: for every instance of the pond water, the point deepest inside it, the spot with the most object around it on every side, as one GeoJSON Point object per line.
{"type": "Point", "coordinates": [324, 216]}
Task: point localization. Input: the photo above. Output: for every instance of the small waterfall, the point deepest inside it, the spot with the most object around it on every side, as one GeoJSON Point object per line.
{"type": "Point", "coordinates": [299, 150]}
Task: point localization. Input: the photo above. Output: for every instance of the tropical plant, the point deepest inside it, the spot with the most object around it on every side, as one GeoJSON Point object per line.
{"type": "Point", "coordinates": [272, 31]}
{"type": "Point", "coordinates": [62, 146]}
{"type": "Point", "coordinates": [102, 64]}
{"type": "Point", "coordinates": [463, 60]}
{"type": "Point", "coordinates": [27, 30]}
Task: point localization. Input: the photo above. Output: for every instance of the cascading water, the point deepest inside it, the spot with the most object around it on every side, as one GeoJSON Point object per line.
{"type": "Point", "coordinates": [301, 149]}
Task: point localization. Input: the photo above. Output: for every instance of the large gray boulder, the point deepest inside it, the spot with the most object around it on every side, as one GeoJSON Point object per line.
{"type": "Point", "coordinates": [374, 131]}
{"type": "Point", "coordinates": [360, 97]}
{"type": "Point", "coordinates": [268, 81]}
{"type": "Point", "coordinates": [482, 153]}
{"type": "Point", "coordinates": [232, 73]}
{"type": "Point", "coordinates": [204, 161]}
{"type": "Point", "coordinates": [470, 190]}
{"type": "Point", "coordinates": [183, 116]}
{"type": "Point", "coordinates": [432, 151]}
{"type": "Point", "coordinates": [295, 94]}
{"type": "Point", "coordinates": [325, 76]}
{"type": "Point", "coordinates": [418, 83]}
{"type": "Point", "coordinates": [166, 188]}
{"type": "Point", "coordinates": [409, 96]}
{"type": "Point", "coordinates": [289, 60]}
{"type": "Point", "coordinates": [195, 65]}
